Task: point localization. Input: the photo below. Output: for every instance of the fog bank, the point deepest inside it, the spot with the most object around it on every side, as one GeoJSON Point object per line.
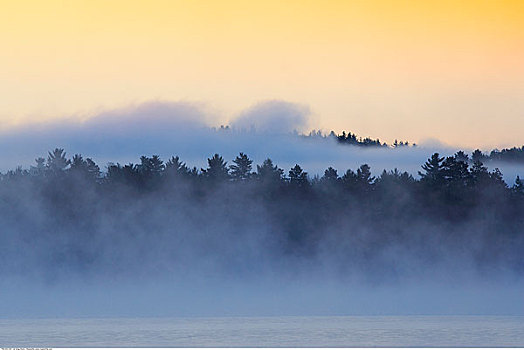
{"type": "Point", "coordinates": [268, 129]}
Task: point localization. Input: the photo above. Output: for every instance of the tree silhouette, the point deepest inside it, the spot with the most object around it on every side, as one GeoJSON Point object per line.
{"type": "Point", "coordinates": [241, 167]}
{"type": "Point", "coordinates": [394, 178]}
{"type": "Point", "coordinates": [479, 173]}
{"type": "Point", "coordinates": [175, 168]}
{"type": "Point", "coordinates": [40, 167]}
{"type": "Point", "coordinates": [514, 154]}
{"type": "Point", "coordinates": [477, 155]}
{"type": "Point", "coordinates": [57, 161]}
{"type": "Point", "coordinates": [496, 179]}
{"type": "Point", "coordinates": [364, 175]}
{"type": "Point", "coordinates": [150, 171]}
{"type": "Point", "coordinates": [460, 156]}
{"type": "Point", "coordinates": [151, 166]}
{"type": "Point", "coordinates": [330, 176]}
{"type": "Point", "coordinates": [433, 174]}
{"type": "Point", "coordinates": [518, 187]}
{"type": "Point", "coordinates": [268, 172]}
{"type": "Point", "coordinates": [217, 169]}
{"type": "Point", "coordinates": [86, 168]}
{"type": "Point", "coordinates": [456, 172]}
{"type": "Point", "coordinates": [125, 175]}
{"type": "Point", "coordinates": [349, 179]}
{"type": "Point", "coordinates": [297, 176]}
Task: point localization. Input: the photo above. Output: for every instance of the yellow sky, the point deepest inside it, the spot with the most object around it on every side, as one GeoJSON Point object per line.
{"type": "Point", "coordinates": [452, 70]}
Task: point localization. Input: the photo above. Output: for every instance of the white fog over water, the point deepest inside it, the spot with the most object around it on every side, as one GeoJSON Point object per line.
{"type": "Point", "coordinates": [196, 262]}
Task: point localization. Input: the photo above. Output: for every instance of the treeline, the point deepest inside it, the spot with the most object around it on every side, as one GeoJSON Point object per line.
{"type": "Point", "coordinates": [352, 139]}
{"type": "Point", "coordinates": [438, 172]}
{"type": "Point", "coordinates": [64, 214]}
{"type": "Point", "coordinates": [514, 154]}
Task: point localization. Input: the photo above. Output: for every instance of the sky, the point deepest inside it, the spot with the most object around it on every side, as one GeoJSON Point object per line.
{"type": "Point", "coordinates": [413, 70]}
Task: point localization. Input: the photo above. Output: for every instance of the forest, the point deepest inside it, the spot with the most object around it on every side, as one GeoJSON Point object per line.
{"type": "Point", "coordinates": [514, 154]}
{"type": "Point", "coordinates": [64, 216]}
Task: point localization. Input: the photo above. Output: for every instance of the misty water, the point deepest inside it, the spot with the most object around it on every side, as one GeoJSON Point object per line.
{"type": "Point", "coordinates": [361, 331]}
{"type": "Point", "coordinates": [107, 255]}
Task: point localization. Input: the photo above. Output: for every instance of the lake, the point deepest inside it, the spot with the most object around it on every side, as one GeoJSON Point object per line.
{"type": "Point", "coordinates": [351, 331]}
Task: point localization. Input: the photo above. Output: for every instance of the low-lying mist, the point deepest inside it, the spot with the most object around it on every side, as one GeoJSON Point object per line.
{"type": "Point", "coordinates": [266, 130]}
{"type": "Point", "coordinates": [159, 238]}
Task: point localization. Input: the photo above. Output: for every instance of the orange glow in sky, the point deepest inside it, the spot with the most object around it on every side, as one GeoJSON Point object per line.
{"type": "Point", "coordinates": [452, 70]}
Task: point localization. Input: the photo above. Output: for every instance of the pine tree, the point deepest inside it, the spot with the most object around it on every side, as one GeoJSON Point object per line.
{"type": "Point", "coordinates": [456, 172]}
{"type": "Point", "coordinates": [241, 169]}
{"type": "Point", "coordinates": [57, 161]}
{"type": "Point", "coordinates": [518, 187]}
{"type": "Point", "coordinates": [39, 169]}
{"type": "Point", "coordinates": [86, 168]}
{"type": "Point", "coordinates": [174, 168]}
{"type": "Point", "coordinates": [433, 171]}
{"type": "Point", "coordinates": [269, 172]}
{"type": "Point", "coordinates": [217, 169]}
{"type": "Point", "coordinates": [151, 166]}
{"type": "Point", "coordinates": [349, 177]}
{"type": "Point", "coordinates": [479, 173]}
{"type": "Point", "coordinates": [330, 176]}
{"type": "Point", "coordinates": [297, 176]}
{"type": "Point", "coordinates": [460, 156]}
{"type": "Point", "coordinates": [364, 175]}
{"type": "Point", "coordinates": [497, 179]}
{"type": "Point", "coordinates": [477, 155]}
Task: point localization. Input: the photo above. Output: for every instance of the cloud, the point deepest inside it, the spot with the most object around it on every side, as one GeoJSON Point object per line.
{"type": "Point", "coordinates": [273, 116]}
{"type": "Point", "coordinates": [186, 129]}
{"type": "Point", "coordinates": [150, 117]}
{"type": "Point", "coordinates": [120, 134]}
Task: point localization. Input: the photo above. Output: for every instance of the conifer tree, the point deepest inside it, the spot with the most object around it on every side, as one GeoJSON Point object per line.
{"type": "Point", "coordinates": [518, 187]}
{"type": "Point", "coordinates": [433, 171]}
{"type": "Point", "coordinates": [57, 161]}
{"type": "Point", "coordinates": [174, 167]}
{"type": "Point", "coordinates": [297, 176]}
{"type": "Point", "coordinates": [269, 172]}
{"type": "Point", "coordinates": [217, 168]}
{"type": "Point", "coordinates": [330, 176]}
{"type": "Point", "coordinates": [241, 169]}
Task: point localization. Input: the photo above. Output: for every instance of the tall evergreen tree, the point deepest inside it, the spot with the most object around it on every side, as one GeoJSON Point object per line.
{"type": "Point", "coordinates": [125, 175]}
{"type": "Point", "coordinates": [330, 176]}
{"type": "Point", "coordinates": [217, 169]}
{"type": "Point", "coordinates": [268, 172]}
{"type": "Point", "coordinates": [40, 167]}
{"type": "Point", "coordinates": [297, 176]}
{"type": "Point", "coordinates": [477, 155]}
{"type": "Point", "coordinates": [433, 174]}
{"type": "Point", "coordinates": [479, 173]}
{"type": "Point", "coordinates": [460, 156]}
{"type": "Point", "coordinates": [241, 167]}
{"type": "Point", "coordinates": [364, 175]}
{"type": "Point", "coordinates": [151, 166]}
{"type": "Point", "coordinates": [84, 167]}
{"type": "Point", "coordinates": [456, 172]}
{"type": "Point", "coordinates": [496, 179]}
{"type": "Point", "coordinates": [518, 187]}
{"type": "Point", "coordinates": [176, 168]}
{"type": "Point", "coordinates": [57, 161]}
{"type": "Point", "coordinates": [349, 177]}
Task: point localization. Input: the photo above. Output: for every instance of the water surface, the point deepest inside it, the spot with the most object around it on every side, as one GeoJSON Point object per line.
{"type": "Point", "coordinates": [360, 331]}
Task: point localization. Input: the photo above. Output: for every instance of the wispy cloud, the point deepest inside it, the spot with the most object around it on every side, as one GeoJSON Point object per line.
{"type": "Point", "coordinates": [273, 116]}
